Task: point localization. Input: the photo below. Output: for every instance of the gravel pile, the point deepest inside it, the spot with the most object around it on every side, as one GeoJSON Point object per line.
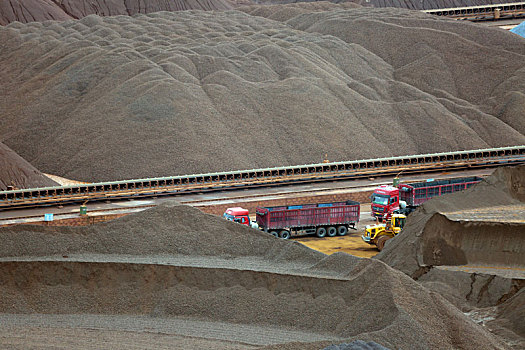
{"type": "Point", "coordinates": [430, 239]}
{"type": "Point", "coordinates": [189, 92]}
{"type": "Point", "coordinates": [430, 236]}
{"type": "Point", "coordinates": [25, 11]}
{"type": "Point", "coordinates": [174, 264]}
{"type": "Point", "coordinates": [17, 173]}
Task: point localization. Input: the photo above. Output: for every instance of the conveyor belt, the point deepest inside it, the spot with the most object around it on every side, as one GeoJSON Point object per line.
{"type": "Point", "coordinates": [263, 177]}
{"type": "Point", "coordinates": [489, 11]}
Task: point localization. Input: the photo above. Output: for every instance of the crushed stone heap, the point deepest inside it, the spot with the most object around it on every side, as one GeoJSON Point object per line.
{"type": "Point", "coordinates": [470, 247]}
{"type": "Point", "coordinates": [16, 173]}
{"type": "Point", "coordinates": [172, 269]}
{"type": "Point", "coordinates": [190, 92]}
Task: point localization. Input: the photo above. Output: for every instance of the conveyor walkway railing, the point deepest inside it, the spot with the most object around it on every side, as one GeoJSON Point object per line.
{"type": "Point", "coordinates": [263, 177]}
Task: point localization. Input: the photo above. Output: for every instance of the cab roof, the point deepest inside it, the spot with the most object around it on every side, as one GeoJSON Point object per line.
{"type": "Point", "coordinates": [386, 189]}
{"type": "Point", "coordinates": [237, 211]}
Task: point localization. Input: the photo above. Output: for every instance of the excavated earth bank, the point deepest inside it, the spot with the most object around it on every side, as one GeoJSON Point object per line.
{"type": "Point", "coordinates": [178, 277]}
{"type": "Point", "coordinates": [193, 91]}
{"type": "Point", "coordinates": [470, 248]}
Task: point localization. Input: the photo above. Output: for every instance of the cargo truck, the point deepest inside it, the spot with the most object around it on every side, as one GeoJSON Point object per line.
{"type": "Point", "coordinates": [322, 219]}
{"type": "Point", "coordinates": [405, 198]}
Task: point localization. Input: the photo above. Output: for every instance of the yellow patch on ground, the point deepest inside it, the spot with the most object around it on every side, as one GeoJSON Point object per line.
{"type": "Point", "coordinates": [351, 244]}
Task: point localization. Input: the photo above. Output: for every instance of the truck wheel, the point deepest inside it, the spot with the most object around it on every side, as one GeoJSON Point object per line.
{"type": "Point", "coordinates": [321, 232]}
{"type": "Point", "coordinates": [332, 231]}
{"type": "Point", "coordinates": [381, 242]}
{"type": "Point", "coordinates": [342, 230]}
{"type": "Point", "coordinates": [274, 233]}
{"type": "Point", "coordinates": [285, 234]}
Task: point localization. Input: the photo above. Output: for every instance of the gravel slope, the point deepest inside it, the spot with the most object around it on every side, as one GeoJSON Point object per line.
{"type": "Point", "coordinates": [188, 92]}
{"type": "Point", "coordinates": [175, 262]}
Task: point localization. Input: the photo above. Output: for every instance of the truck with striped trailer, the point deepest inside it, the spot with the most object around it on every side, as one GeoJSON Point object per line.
{"type": "Point", "coordinates": [405, 198]}
{"type": "Point", "coordinates": [322, 219]}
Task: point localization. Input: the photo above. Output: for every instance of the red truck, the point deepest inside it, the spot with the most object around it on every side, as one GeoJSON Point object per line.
{"type": "Point", "coordinates": [322, 219]}
{"type": "Point", "coordinates": [239, 215]}
{"type": "Point", "coordinates": [404, 198]}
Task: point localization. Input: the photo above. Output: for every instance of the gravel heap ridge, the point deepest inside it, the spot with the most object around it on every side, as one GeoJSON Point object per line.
{"type": "Point", "coordinates": [430, 239]}
{"type": "Point", "coordinates": [190, 92]}
{"type": "Point", "coordinates": [173, 263]}
{"type": "Point", "coordinates": [16, 172]}
{"type": "Point", "coordinates": [25, 11]}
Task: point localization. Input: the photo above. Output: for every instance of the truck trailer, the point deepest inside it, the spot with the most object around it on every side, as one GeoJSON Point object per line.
{"type": "Point", "coordinates": [405, 198]}
{"type": "Point", "coordinates": [321, 219]}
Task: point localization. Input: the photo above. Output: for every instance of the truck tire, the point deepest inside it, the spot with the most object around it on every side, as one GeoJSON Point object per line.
{"type": "Point", "coordinates": [342, 230]}
{"type": "Point", "coordinates": [321, 232]}
{"type": "Point", "coordinates": [381, 242]}
{"type": "Point", "coordinates": [331, 232]}
{"type": "Point", "coordinates": [285, 234]}
{"type": "Point", "coordinates": [274, 233]}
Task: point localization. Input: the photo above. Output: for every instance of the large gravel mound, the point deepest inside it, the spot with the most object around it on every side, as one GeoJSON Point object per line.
{"type": "Point", "coordinates": [25, 11]}
{"type": "Point", "coordinates": [446, 232]}
{"type": "Point", "coordinates": [432, 239]}
{"type": "Point", "coordinates": [188, 92]}
{"type": "Point", "coordinates": [172, 268]}
{"type": "Point", "coordinates": [17, 173]}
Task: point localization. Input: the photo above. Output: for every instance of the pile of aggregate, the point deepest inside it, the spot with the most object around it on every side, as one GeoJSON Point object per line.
{"type": "Point", "coordinates": [405, 4]}
{"type": "Point", "coordinates": [191, 92]}
{"type": "Point", "coordinates": [17, 173]}
{"type": "Point", "coordinates": [25, 11]}
{"type": "Point", "coordinates": [430, 240]}
{"type": "Point", "coordinates": [172, 265]}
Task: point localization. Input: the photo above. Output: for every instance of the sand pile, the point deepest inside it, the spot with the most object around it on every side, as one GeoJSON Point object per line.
{"type": "Point", "coordinates": [177, 93]}
{"type": "Point", "coordinates": [174, 271]}
{"type": "Point", "coordinates": [16, 172]}
{"type": "Point", "coordinates": [25, 11]}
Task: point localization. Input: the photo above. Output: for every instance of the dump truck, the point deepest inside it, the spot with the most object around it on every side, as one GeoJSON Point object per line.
{"type": "Point", "coordinates": [405, 198]}
{"type": "Point", "coordinates": [380, 233]}
{"type": "Point", "coordinates": [322, 219]}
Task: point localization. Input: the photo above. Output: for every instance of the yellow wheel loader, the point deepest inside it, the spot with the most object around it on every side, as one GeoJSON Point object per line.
{"type": "Point", "coordinates": [378, 234]}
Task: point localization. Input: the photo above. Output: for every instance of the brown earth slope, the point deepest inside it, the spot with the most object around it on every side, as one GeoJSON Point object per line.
{"type": "Point", "coordinates": [16, 172]}
{"type": "Point", "coordinates": [174, 271]}
{"type": "Point", "coordinates": [166, 94]}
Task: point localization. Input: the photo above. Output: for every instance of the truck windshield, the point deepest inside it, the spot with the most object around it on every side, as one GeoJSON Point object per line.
{"type": "Point", "coordinates": [229, 217]}
{"type": "Point", "coordinates": [380, 199]}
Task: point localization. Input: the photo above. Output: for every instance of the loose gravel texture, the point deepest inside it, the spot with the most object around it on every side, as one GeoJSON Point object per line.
{"type": "Point", "coordinates": [18, 173]}
{"type": "Point", "coordinates": [149, 264]}
{"type": "Point", "coordinates": [188, 92]}
{"type": "Point", "coordinates": [431, 238]}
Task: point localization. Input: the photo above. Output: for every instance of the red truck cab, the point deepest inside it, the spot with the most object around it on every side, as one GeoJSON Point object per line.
{"type": "Point", "coordinates": [385, 199]}
{"type": "Point", "coordinates": [237, 214]}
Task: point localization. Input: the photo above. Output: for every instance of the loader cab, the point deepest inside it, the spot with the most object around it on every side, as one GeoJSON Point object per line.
{"type": "Point", "coordinates": [237, 214]}
{"type": "Point", "coordinates": [397, 222]}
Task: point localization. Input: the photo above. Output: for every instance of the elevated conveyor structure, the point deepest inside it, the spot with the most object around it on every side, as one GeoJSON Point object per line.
{"type": "Point", "coordinates": [263, 177]}
{"type": "Point", "coordinates": [482, 12]}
